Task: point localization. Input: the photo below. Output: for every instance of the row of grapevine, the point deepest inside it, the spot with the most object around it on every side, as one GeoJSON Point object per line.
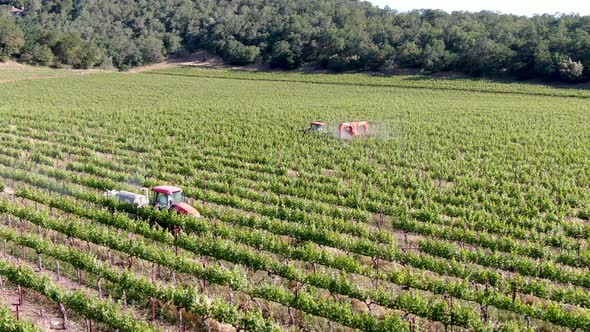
{"type": "Point", "coordinates": [483, 278]}
{"type": "Point", "coordinates": [137, 248]}
{"type": "Point", "coordinates": [459, 290]}
{"type": "Point", "coordinates": [187, 298]}
{"type": "Point", "coordinates": [94, 308]}
{"type": "Point", "coordinates": [551, 240]}
{"type": "Point", "coordinates": [9, 323]}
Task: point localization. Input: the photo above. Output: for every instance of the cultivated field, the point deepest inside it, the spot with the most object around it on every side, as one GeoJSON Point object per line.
{"type": "Point", "coordinates": [467, 208]}
{"type": "Point", "coordinates": [11, 71]}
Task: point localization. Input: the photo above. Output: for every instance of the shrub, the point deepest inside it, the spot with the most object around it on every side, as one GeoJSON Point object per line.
{"type": "Point", "coordinates": [284, 57]}
{"type": "Point", "coordinates": [38, 55]}
{"type": "Point", "coordinates": [239, 54]}
{"type": "Point", "coordinates": [570, 70]}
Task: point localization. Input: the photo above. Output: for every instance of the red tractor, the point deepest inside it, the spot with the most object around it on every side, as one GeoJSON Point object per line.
{"type": "Point", "coordinates": [353, 129]}
{"type": "Point", "coordinates": [172, 198]}
{"type": "Point", "coordinates": [164, 198]}
{"type": "Point", "coordinates": [345, 129]}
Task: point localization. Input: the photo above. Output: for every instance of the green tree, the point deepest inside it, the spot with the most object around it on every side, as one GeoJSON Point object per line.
{"type": "Point", "coordinates": [39, 55]}
{"type": "Point", "coordinates": [12, 38]}
{"type": "Point", "coordinates": [90, 55]}
{"type": "Point", "coordinates": [124, 52]}
{"type": "Point", "coordinates": [68, 49]}
{"type": "Point", "coordinates": [284, 57]}
{"type": "Point", "coordinates": [434, 56]}
{"type": "Point", "coordinates": [408, 54]}
{"type": "Point", "coordinates": [151, 49]}
{"type": "Point", "coordinates": [544, 65]}
{"type": "Point", "coordinates": [486, 56]}
{"type": "Point", "coordinates": [240, 54]}
{"type": "Point", "coordinates": [172, 43]}
{"type": "Point", "coordinates": [339, 35]}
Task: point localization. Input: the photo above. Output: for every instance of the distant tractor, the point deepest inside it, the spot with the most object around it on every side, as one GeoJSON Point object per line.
{"type": "Point", "coordinates": [318, 127]}
{"type": "Point", "coordinates": [345, 129]}
{"type": "Point", "coordinates": [164, 198]}
{"type": "Point", "coordinates": [353, 129]}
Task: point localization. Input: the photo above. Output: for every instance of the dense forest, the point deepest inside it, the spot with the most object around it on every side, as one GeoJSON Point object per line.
{"type": "Point", "coordinates": [335, 34]}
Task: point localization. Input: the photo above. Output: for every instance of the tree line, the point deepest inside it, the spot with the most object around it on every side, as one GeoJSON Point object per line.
{"type": "Point", "coordinates": [338, 35]}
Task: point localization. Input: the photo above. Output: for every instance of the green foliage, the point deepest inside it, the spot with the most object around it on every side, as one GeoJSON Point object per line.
{"type": "Point", "coordinates": [284, 57]}
{"type": "Point", "coordinates": [8, 322]}
{"type": "Point", "coordinates": [68, 49]}
{"type": "Point", "coordinates": [571, 70]}
{"type": "Point", "coordinates": [90, 56]}
{"type": "Point", "coordinates": [12, 38]}
{"type": "Point", "coordinates": [239, 54]}
{"type": "Point", "coordinates": [435, 58]}
{"type": "Point", "coordinates": [512, 327]}
{"type": "Point", "coordinates": [71, 50]}
{"type": "Point", "coordinates": [39, 55]}
{"type": "Point", "coordinates": [151, 49]}
{"type": "Point", "coordinates": [486, 56]}
{"type": "Point", "coordinates": [345, 35]}
{"type": "Point", "coordinates": [78, 301]}
{"type": "Point", "coordinates": [408, 54]}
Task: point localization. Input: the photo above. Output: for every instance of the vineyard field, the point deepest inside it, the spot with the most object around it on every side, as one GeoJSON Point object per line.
{"type": "Point", "coordinates": [466, 208]}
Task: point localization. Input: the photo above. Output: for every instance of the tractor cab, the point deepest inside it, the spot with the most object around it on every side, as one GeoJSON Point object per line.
{"type": "Point", "coordinates": [317, 127]}
{"type": "Point", "coordinates": [172, 198]}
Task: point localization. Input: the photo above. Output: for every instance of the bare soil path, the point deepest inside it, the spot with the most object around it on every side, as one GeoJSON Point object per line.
{"type": "Point", "coordinates": [201, 59]}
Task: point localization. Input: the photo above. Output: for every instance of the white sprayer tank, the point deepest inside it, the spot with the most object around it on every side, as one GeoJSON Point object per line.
{"type": "Point", "coordinates": [138, 200]}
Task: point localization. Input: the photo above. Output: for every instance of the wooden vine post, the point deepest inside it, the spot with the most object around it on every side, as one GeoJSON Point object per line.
{"type": "Point", "coordinates": [39, 262]}
{"type": "Point", "coordinates": [153, 300]}
{"type": "Point", "coordinates": [176, 232]}
{"type": "Point", "coordinates": [64, 317]}
{"type": "Point", "coordinates": [57, 269]}
{"type": "Point", "coordinates": [98, 286]}
{"type": "Point", "coordinates": [451, 306]}
{"type": "Point", "coordinates": [124, 299]}
{"type": "Point", "coordinates": [20, 295]}
{"type": "Point", "coordinates": [180, 327]}
{"type": "Point", "coordinates": [79, 276]}
{"type": "Point", "coordinates": [206, 324]}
